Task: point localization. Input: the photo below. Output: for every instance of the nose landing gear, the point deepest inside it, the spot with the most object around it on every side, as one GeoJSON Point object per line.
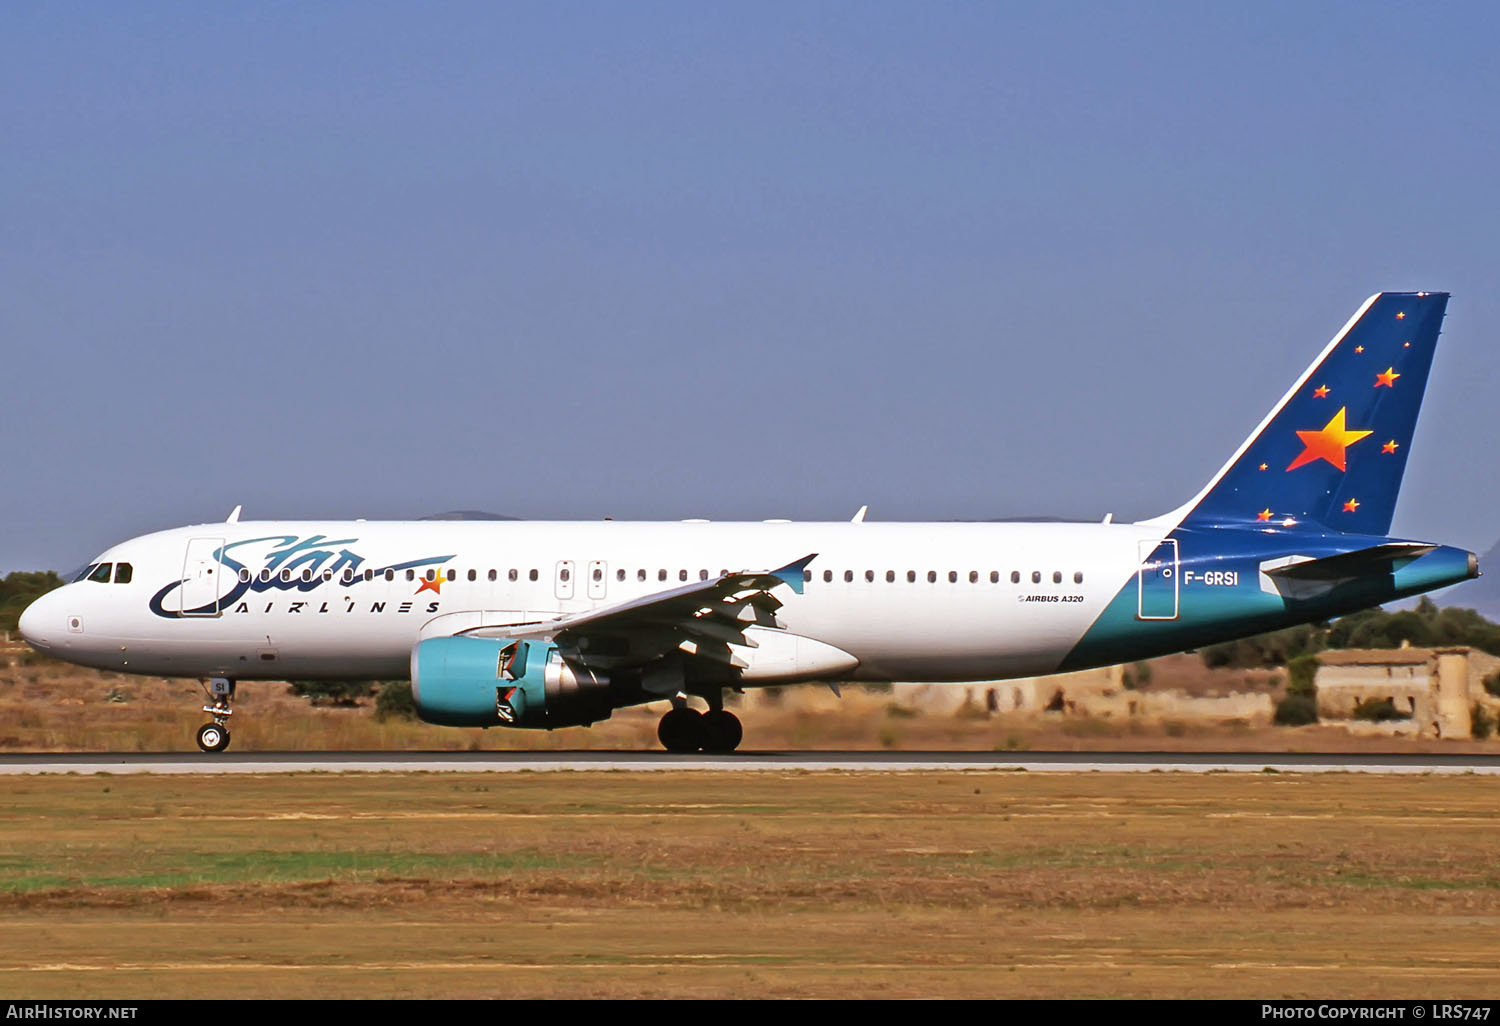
{"type": "Point", "coordinates": [214, 737]}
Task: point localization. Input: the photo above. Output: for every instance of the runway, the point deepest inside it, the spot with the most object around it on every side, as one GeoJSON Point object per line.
{"type": "Point", "coordinates": [742, 762]}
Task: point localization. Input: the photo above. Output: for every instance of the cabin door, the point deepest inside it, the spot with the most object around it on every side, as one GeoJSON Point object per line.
{"type": "Point", "coordinates": [1157, 581]}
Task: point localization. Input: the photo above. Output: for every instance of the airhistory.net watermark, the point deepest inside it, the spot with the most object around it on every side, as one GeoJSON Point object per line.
{"type": "Point", "coordinates": [52, 1010]}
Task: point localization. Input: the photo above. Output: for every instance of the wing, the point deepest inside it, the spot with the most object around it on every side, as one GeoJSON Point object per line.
{"type": "Point", "coordinates": [701, 619]}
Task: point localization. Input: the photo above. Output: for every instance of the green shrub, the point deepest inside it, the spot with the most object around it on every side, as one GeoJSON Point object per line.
{"type": "Point", "coordinates": [394, 701]}
{"type": "Point", "coordinates": [1299, 676]}
{"type": "Point", "coordinates": [1492, 684]}
{"type": "Point", "coordinates": [1481, 722]}
{"type": "Point", "coordinates": [1297, 710]}
{"type": "Point", "coordinates": [1378, 710]}
{"type": "Point", "coordinates": [333, 692]}
{"type": "Point", "coordinates": [1136, 675]}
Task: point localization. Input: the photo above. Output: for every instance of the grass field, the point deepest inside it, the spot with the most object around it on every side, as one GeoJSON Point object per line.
{"type": "Point", "coordinates": [703, 884]}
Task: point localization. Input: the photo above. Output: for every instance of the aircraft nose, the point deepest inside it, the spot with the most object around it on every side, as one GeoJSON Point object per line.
{"type": "Point", "coordinates": [42, 622]}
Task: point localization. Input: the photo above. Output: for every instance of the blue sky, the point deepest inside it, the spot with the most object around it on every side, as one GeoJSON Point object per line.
{"type": "Point", "coordinates": [719, 260]}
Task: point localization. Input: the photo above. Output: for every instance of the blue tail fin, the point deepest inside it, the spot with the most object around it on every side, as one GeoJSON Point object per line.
{"type": "Point", "coordinates": [1334, 449]}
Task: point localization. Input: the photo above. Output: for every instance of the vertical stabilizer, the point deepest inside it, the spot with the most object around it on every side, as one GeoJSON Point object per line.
{"type": "Point", "coordinates": [1333, 451]}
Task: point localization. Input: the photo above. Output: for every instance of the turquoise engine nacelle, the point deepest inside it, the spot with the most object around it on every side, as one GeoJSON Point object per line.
{"type": "Point", "coordinates": [482, 682]}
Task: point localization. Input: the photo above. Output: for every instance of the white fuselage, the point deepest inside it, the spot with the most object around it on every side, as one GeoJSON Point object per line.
{"type": "Point", "coordinates": [937, 602]}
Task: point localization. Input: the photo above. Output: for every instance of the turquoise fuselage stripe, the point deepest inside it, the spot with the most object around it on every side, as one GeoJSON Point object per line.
{"type": "Point", "coordinates": [1211, 613]}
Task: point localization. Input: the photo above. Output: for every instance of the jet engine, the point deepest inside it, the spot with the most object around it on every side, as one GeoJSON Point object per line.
{"type": "Point", "coordinates": [483, 682]}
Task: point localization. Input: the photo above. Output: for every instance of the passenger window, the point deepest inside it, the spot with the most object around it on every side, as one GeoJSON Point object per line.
{"type": "Point", "coordinates": [682, 575]}
{"type": "Point", "coordinates": [1036, 577]}
{"type": "Point", "coordinates": [327, 575]}
{"type": "Point", "coordinates": [661, 575]}
{"type": "Point", "coordinates": [640, 574]}
{"type": "Point", "coordinates": [123, 572]}
{"type": "Point", "coordinates": [531, 575]}
{"type": "Point", "coordinates": [473, 575]}
{"type": "Point", "coordinates": [890, 577]}
{"type": "Point", "coordinates": [952, 576]}
{"type": "Point", "coordinates": [973, 576]}
{"type": "Point", "coordinates": [1015, 577]}
{"type": "Point", "coordinates": [245, 575]}
{"type": "Point", "coordinates": [932, 577]}
{"type": "Point", "coordinates": [1057, 577]}
{"type": "Point", "coordinates": [564, 574]}
{"type": "Point", "coordinates": [370, 574]}
{"type": "Point", "coordinates": [869, 576]}
{"type": "Point", "coordinates": [512, 574]}
{"type": "Point", "coordinates": [702, 575]}
{"type": "Point", "coordinates": [494, 575]}
{"type": "Point", "coordinates": [306, 576]}
{"type": "Point", "coordinates": [431, 575]}
{"type": "Point", "coordinates": [286, 575]}
{"type": "Point", "coordinates": [619, 575]}
{"type": "Point", "coordinates": [827, 576]}
{"type": "Point", "coordinates": [390, 575]}
{"type": "Point", "coordinates": [848, 576]}
{"type": "Point", "coordinates": [806, 575]}
{"type": "Point", "coordinates": [411, 575]}
{"type": "Point", "coordinates": [911, 577]}
{"type": "Point", "coordinates": [453, 575]}
{"type": "Point", "coordinates": [994, 576]}
{"type": "Point", "coordinates": [1078, 577]}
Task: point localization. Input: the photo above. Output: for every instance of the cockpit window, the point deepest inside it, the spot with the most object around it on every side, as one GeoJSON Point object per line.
{"type": "Point", "coordinates": [123, 573]}
{"type": "Point", "coordinates": [101, 573]}
{"type": "Point", "coordinates": [83, 574]}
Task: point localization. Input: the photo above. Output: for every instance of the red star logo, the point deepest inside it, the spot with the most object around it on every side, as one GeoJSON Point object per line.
{"type": "Point", "coordinates": [1359, 349]}
{"type": "Point", "coordinates": [1388, 379]}
{"type": "Point", "coordinates": [1328, 444]}
{"type": "Point", "coordinates": [1263, 466]}
{"type": "Point", "coordinates": [1264, 514]}
{"type": "Point", "coordinates": [1390, 446]}
{"type": "Point", "coordinates": [434, 585]}
{"type": "Point", "coordinates": [1321, 391]}
{"type": "Point", "coordinates": [1351, 506]}
{"type": "Point", "coordinates": [1401, 316]}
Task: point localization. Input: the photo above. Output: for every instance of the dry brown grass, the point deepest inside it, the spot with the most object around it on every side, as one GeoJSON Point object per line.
{"type": "Point", "coordinates": [702, 884]}
{"type": "Point", "coordinates": [50, 706]}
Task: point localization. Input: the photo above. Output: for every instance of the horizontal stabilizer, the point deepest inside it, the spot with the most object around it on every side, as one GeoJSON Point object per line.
{"type": "Point", "coordinates": [1361, 562]}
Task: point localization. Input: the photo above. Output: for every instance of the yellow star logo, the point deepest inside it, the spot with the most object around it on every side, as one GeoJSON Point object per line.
{"type": "Point", "coordinates": [1401, 316]}
{"type": "Point", "coordinates": [435, 584]}
{"type": "Point", "coordinates": [1321, 391]}
{"type": "Point", "coordinates": [1388, 378]}
{"type": "Point", "coordinates": [1264, 514]}
{"type": "Point", "coordinates": [1351, 506]}
{"type": "Point", "coordinates": [1328, 444]}
{"type": "Point", "coordinates": [1390, 446]}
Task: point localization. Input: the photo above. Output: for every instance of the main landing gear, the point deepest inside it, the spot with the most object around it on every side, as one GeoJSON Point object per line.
{"type": "Point", "coordinates": [214, 737]}
{"type": "Point", "coordinates": [685, 729]}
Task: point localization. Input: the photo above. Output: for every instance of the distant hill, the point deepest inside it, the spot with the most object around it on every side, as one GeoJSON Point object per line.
{"type": "Point", "coordinates": [468, 514]}
{"type": "Point", "coordinates": [1483, 595]}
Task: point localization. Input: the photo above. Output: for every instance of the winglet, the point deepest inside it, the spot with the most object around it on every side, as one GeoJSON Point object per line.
{"type": "Point", "coordinates": [234, 517]}
{"type": "Point", "coordinates": [792, 573]}
{"type": "Point", "coordinates": [859, 517]}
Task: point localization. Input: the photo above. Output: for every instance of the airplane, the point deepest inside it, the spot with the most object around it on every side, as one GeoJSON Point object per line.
{"type": "Point", "coordinates": [556, 624]}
